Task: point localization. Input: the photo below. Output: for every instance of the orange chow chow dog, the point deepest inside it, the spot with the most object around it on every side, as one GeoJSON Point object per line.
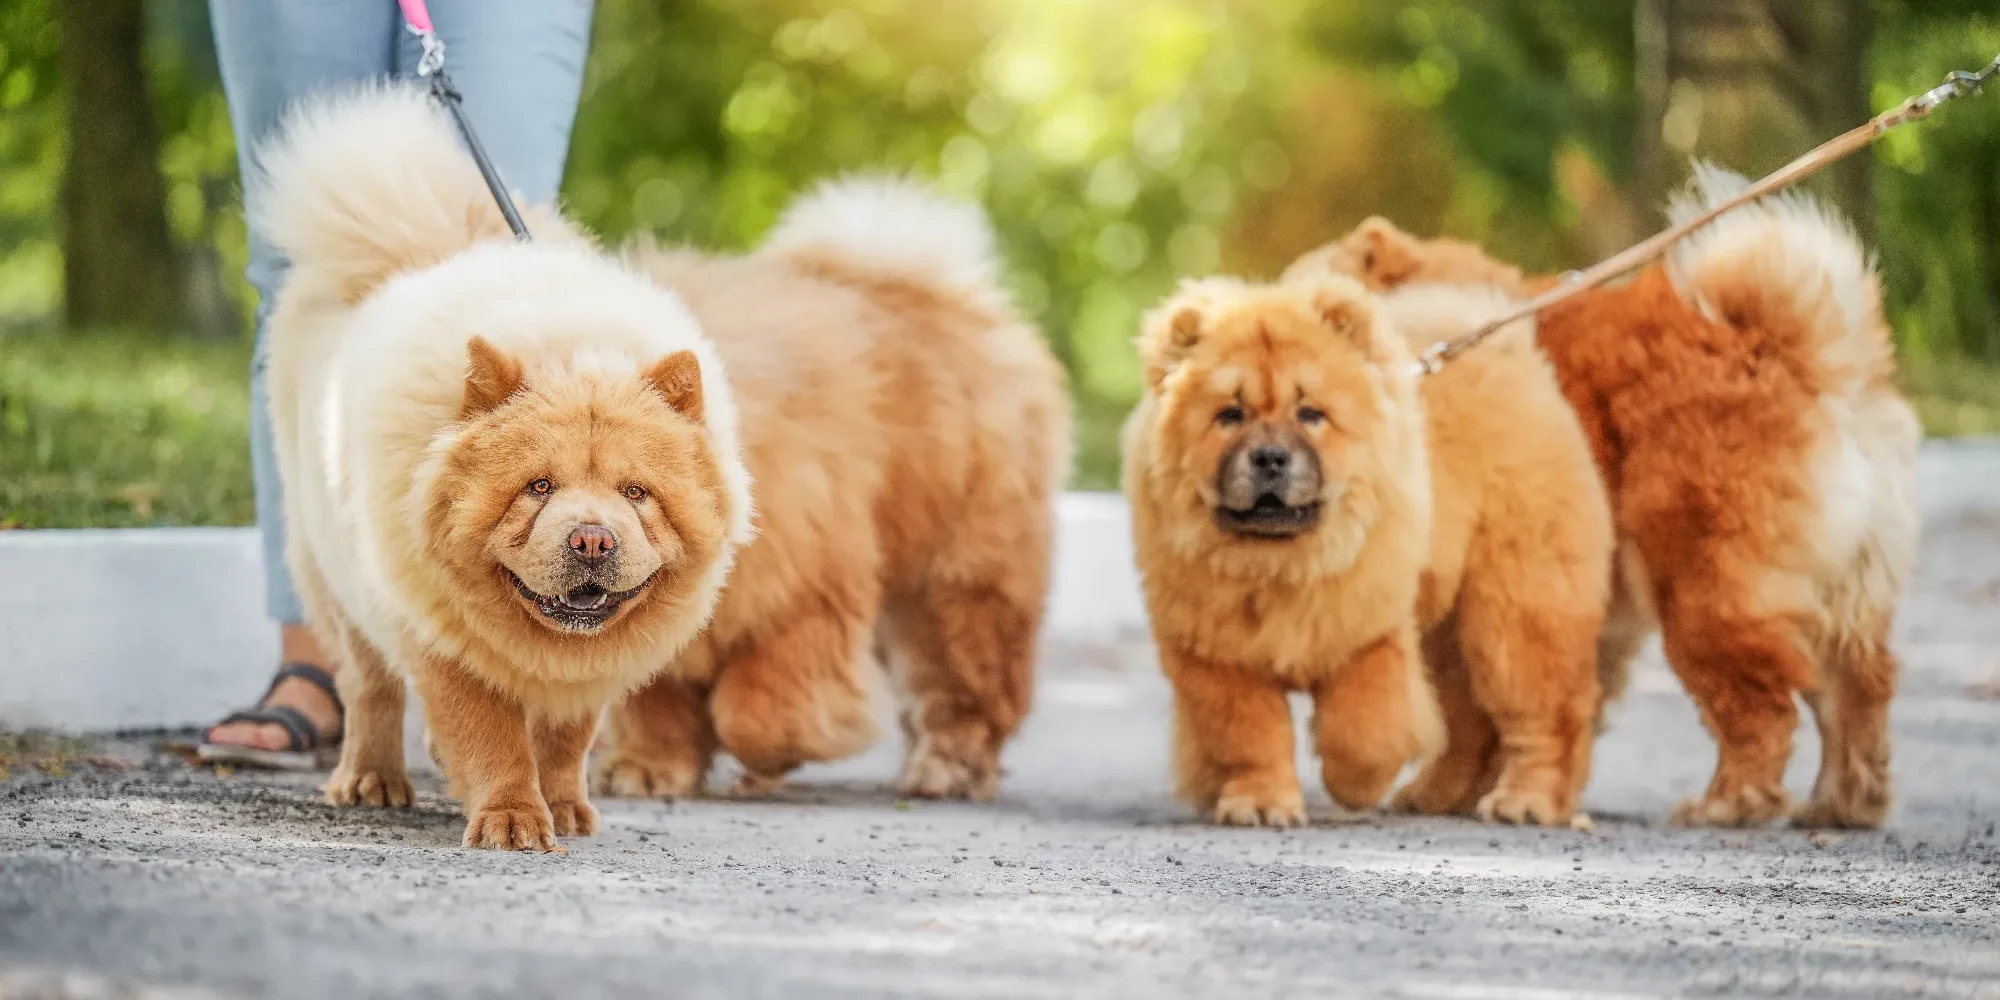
{"type": "Point", "coordinates": [1761, 467]}
{"type": "Point", "coordinates": [908, 432]}
{"type": "Point", "coordinates": [1311, 516]}
{"type": "Point", "coordinates": [511, 470]}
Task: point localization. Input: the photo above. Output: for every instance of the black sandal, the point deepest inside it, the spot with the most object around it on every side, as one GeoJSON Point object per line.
{"type": "Point", "coordinates": [303, 743]}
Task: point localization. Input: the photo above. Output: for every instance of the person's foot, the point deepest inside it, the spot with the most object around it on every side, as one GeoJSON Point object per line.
{"type": "Point", "coordinates": [298, 646]}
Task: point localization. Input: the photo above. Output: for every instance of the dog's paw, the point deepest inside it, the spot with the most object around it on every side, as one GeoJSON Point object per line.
{"type": "Point", "coordinates": [1521, 807]}
{"type": "Point", "coordinates": [1408, 800]}
{"type": "Point", "coordinates": [623, 776]}
{"type": "Point", "coordinates": [1250, 810]}
{"type": "Point", "coordinates": [750, 785]}
{"type": "Point", "coordinates": [1834, 814]}
{"type": "Point", "coordinates": [1747, 805]}
{"type": "Point", "coordinates": [1856, 799]}
{"type": "Point", "coordinates": [511, 828]}
{"type": "Point", "coordinates": [575, 818]}
{"type": "Point", "coordinates": [934, 775]}
{"type": "Point", "coordinates": [349, 786]}
{"type": "Point", "coordinates": [1426, 798]}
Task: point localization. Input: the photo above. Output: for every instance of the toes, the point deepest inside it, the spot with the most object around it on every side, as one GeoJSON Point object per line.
{"type": "Point", "coordinates": [1520, 808]}
{"type": "Point", "coordinates": [574, 819]}
{"type": "Point", "coordinates": [369, 788]}
{"type": "Point", "coordinates": [1244, 810]}
{"type": "Point", "coordinates": [1849, 813]}
{"type": "Point", "coordinates": [250, 734]}
{"type": "Point", "coordinates": [511, 830]}
{"type": "Point", "coordinates": [933, 776]}
{"type": "Point", "coordinates": [750, 785]}
{"type": "Point", "coordinates": [624, 777]}
{"type": "Point", "coordinates": [1746, 806]}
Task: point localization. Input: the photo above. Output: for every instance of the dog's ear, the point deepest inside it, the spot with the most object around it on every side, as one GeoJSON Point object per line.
{"type": "Point", "coordinates": [1389, 256]}
{"type": "Point", "coordinates": [491, 375]}
{"type": "Point", "coordinates": [1351, 313]}
{"type": "Point", "coordinates": [677, 378]}
{"type": "Point", "coordinates": [1170, 336]}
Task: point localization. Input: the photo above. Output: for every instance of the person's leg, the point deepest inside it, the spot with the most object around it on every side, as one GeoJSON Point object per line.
{"type": "Point", "coordinates": [272, 53]}
{"type": "Point", "coordinates": [519, 64]}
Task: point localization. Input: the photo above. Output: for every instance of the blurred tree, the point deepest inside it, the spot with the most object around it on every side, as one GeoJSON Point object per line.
{"type": "Point", "coordinates": [1109, 142]}
{"type": "Point", "coordinates": [118, 259]}
{"type": "Point", "coordinates": [1118, 144]}
{"type": "Point", "coordinates": [1751, 84]}
{"type": "Point", "coordinates": [1538, 99]}
{"type": "Point", "coordinates": [1938, 200]}
{"type": "Point", "coordinates": [31, 150]}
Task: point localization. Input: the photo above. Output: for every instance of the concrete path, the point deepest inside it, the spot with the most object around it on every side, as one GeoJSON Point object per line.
{"type": "Point", "coordinates": [1084, 880]}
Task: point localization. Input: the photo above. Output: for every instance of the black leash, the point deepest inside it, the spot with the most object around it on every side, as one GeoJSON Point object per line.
{"type": "Point", "coordinates": [431, 68]}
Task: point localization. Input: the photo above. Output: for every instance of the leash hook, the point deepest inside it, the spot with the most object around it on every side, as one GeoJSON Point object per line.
{"type": "Point", "coordinates": [432, 61]}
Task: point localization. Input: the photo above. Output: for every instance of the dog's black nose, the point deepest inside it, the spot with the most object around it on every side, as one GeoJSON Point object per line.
{"type": "Point", "coordinates": [1271, 460]}
{"type": "Point", "coordinates": [592, 544]}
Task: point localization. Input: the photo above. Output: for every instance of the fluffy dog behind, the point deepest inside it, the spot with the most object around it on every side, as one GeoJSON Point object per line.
{"type": "Point", "coordinates": [1308, 517]}
{"type": "Point", "coordinates": [908, 432]}
{"type": "Point", "coordinates": [1761, 465]}
{"type": "Point", "coordinates": [511, 470]}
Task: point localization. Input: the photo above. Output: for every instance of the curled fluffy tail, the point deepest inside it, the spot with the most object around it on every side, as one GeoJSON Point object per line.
{"type": "Point", "coordinates": [897, 228]}
{"type": "Point", "coordinates": [1792, 271]}
{"type": "Point", "coordinates": [1785, 264]}
{"type": "Point", "coordinates": [361, 186]}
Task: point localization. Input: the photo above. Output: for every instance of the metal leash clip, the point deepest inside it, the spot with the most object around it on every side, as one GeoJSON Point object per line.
{"type": "Point", "coordinates": [1432, 360]}
{"type": "Point", "coordinates": [1959, 84]}
{"type": "Point", "coordinates": [433, 58]}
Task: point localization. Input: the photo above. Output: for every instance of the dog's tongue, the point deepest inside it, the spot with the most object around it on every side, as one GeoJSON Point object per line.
{"type": "Point", "coordinates": [587, 598]}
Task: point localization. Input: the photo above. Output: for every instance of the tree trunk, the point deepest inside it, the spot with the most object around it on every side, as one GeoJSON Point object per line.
{"type": "Point", "coordinates": [1750, 84]}
{"type": "Point", "coordinates": [118, 258]}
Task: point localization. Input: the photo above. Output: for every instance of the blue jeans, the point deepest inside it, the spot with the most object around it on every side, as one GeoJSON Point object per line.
{"type": "Point", "coordinates": [519, 64]}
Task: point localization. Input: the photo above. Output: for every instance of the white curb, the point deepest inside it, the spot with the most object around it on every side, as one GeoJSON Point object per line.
{"type": "Point", "coordinates": [165, 627]}
{"type": "Point", "coordinates": [155, 627]}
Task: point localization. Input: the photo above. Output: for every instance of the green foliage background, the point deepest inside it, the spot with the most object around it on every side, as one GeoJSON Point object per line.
{"type": "Point", "coordinates": [1117, 144]}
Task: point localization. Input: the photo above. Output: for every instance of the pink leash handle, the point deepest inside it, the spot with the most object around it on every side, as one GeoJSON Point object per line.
{"type": "Point", "coordinates": [417, 14]}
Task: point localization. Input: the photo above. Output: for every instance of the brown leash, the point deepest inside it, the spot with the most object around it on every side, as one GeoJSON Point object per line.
{"type": "Point", "coordinates": [1958, 84]}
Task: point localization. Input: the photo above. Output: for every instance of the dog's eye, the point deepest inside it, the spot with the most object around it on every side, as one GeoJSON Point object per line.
{"type": "Point", "coordinates": [541, 487]}
{"type": "Point", "coordinates": [1229, 416]}
{"type": "Point", "coordinates": [1311, 415]}
{"type": "Point", "coordinates": [635, 492]}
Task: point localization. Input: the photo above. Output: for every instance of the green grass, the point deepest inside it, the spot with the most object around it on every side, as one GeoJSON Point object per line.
{"type": "Point", "coordinates": [106, 431]}
{"type": "Point", "coordinates": [47, 752]}
{"type": "Point", "coordinates": [1955, 398]}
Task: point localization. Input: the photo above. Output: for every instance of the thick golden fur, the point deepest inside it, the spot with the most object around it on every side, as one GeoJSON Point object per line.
{"type": "Point", "coordinates": [460, 419]}
{"type": "Point", "coordinates": [1760, 463]}
{"type": "Point", "coordinates": [908, 432]}
{"type": "Point", "coordinates": [1459, 517]}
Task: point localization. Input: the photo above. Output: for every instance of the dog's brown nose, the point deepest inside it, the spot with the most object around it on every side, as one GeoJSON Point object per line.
{"type": "Point", "coordinates": [1270, 460]}
{"type": "Point", "coordinates": [592, 543]}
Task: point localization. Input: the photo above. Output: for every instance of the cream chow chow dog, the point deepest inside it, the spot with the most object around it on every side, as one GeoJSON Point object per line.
{"type": "Point", "coordinates": [908, 431]}
{"type": "Point", "coordinates": [511, 469]}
